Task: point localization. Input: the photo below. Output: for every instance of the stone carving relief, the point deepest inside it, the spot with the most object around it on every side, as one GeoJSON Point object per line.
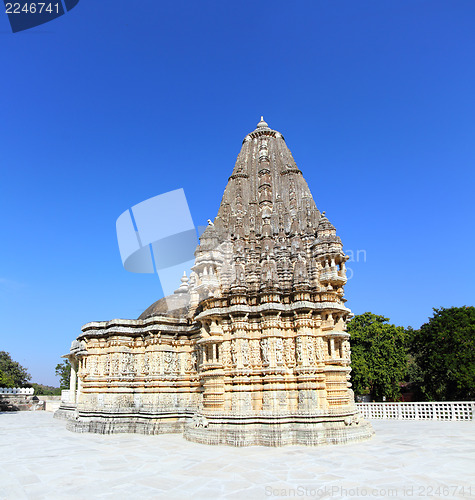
{"type": "Point", "coordinates": [146, 363]}
{"type": "Point", "coordinates": [124, 400]}
{"type": "Point", "coordinates": [170, 362]}
{"type": "Point", "coordinates": [241, 402]}
{"type": "Point", "coordinates": [92, 365]}
{"type": "Point", "coordinates": [115, 362]}
{"type": "Point", "coordinates": [289, 352]}
{"type": "Point", "coordinates": [199, 421]}
{"type": "Point", "coordinates": [282, 398]}
{"type": "Point", "coordinates": [319, 349]}
{"type": "Point", "coordinates": [279, 351]}
{"type": "Point", "coordinates": [100, 365]}
{"type": "Point", "coordinates": [234, 353]}
{"type": "Point", "coordinates": [226, 354]}
{"type": "Point", "coordinates": [255, 353]}
{"type": "Point", "coordinates": [154, 361]}
{"type": "Point", "coordinates": [247, 401]}
{"type": "Point", "coordinates": [346, 350]}
{"type": "Point", "coordinates": [190, 364]}
{"type": "Point", "coordinates": [139, 363]}
{"type": "Point", "coordinates": [299, 346]}
{"type": "Point", "coordinates": [245, 352]}
{"type": "Point", "coordinates": [107, 365]}
{"type": "Point", "coordinates": [265, 351]}
{"type": "Point", "coordinates": [127, 364]}
{"type": "Point", "coordinates": [311, 351]}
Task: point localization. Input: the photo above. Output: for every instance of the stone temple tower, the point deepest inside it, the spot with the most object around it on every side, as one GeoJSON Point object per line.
{"type": "Point", "coordinates": [255, 351]}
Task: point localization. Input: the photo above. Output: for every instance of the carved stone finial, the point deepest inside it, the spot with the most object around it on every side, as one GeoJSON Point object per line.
{"type": "Point", "coordinates": [262, 123]}
{"type": "Point", "coordinates": [183, 288]}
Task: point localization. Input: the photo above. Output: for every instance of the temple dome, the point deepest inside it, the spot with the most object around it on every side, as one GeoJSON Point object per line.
{"type": "Point", "coordinates": [172, 306]}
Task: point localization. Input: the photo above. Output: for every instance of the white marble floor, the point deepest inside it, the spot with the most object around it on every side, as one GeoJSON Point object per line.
{"type": "Point", "coordinates": [40, 459]}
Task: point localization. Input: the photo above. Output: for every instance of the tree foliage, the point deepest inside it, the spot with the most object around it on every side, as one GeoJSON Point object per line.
{"type": "Point", "coordinates": [6, 380]}
{"type": "Point", "coordinates": [444, 350]}
{"type": "Point", "coordinates": [45, 390]}
{"type": "Point", "coordinates": [12, 374]}
{"type": "Point", "coordinates": [63, 371]}
{"type": "Point", "coordinates": [379, 361]}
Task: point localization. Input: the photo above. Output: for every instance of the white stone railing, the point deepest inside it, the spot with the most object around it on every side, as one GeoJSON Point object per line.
{"type": "Point", "coordinates": [17, 390]}
{"type": "Point", "coordinates": [447, 410]}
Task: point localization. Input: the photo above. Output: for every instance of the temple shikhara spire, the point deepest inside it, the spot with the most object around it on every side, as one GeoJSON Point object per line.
{"type": "Point", "coordinates": [251, 349]}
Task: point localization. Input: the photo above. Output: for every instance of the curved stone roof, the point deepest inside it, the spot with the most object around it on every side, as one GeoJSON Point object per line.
{"type": "Point", "coordinates": [172, 306]}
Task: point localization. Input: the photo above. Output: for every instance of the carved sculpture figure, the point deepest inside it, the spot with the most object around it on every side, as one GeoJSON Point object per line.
{"type": "Point", "coordinates": [265, 350]}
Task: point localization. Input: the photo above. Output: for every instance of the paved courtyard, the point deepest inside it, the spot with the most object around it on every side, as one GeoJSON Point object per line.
{"type": "Point", "coordinates": [40, 459]}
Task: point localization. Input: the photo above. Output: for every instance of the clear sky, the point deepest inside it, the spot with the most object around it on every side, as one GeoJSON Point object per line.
{"type": "Point", "coordinates": [118, 101]}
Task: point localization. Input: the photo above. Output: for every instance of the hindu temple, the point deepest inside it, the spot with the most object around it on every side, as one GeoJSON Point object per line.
{"type": "Point", "coordinates": [252, 347]}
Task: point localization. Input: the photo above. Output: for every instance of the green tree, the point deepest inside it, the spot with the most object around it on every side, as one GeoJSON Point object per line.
{"type": "Point", "coordinates": [6, 380]}
{"type": "Point", "coordinates": [444, 350]}
{"type": "Point", "coordinates": [12, 374]}
{"type": "Point", "coordinates": [45, 390]}
{"type": "Point", "coordinates": [378, 355]}
{"type": "Point", "coordinates": [63, 371]}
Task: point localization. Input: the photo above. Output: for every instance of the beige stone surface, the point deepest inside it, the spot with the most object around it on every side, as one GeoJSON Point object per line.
{"type": "Point", "coordinates": [40, 459]}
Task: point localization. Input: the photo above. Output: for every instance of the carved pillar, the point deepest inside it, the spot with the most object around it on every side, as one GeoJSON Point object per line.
{"type": "Point", "coordinates": [72, 380]}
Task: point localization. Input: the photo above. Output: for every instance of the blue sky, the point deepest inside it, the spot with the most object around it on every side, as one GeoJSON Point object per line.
{"type": "Point", "coordinates": [116, 102]}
